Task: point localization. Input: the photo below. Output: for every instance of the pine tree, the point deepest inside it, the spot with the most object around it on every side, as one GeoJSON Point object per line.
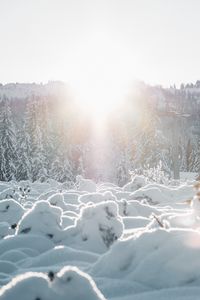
{"type": "Point", "coordinates": [22, 163]}
{"type": "Point", "coordinates": [8, 154]}
{"type": "Point", "coordinates": [34, 146]}
{"type": "Point", "coordinates": [61, 165]}
{"type": "Point", "coordinates": [123, 168]}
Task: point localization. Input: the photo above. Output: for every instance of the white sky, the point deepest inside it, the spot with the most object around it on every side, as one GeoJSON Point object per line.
{"type": "Point", "coordinates": [157, 41]}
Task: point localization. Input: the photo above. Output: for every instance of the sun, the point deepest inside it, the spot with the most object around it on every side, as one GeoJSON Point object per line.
{"type": "Point", "coordinates": [100, 78]}
{"type": "Point", "coordinates": [98, 94]}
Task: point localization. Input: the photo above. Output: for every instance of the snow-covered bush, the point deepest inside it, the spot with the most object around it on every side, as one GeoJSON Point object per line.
{"type": "Point", "coordinates": [68, 283]}
{"type": "Point", "coordinates": [135, 208]}
{"type": "Point", "coordinates": [97, 227]}
{"type": "Point", "coordinates": [43, 219]}
{"type": "Point", "coordinates": [76, 285]}
{"type": "Point", "coordinates": [153, 174]}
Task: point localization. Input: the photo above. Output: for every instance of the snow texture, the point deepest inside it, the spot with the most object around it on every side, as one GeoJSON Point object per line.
{"type": "Point", "coordinates": [99, 241]}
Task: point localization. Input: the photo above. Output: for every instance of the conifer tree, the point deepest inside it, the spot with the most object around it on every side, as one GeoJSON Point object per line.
{"type": "Point", "coordinates": [8, 153]}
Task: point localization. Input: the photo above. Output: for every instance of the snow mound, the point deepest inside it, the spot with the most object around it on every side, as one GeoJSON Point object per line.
{"type": "Point", "coordinates": [57, 200]}
{"type": "Point", "coordinates": [43, 219]}
{"type": "Point", "coordinates": [108, 196]}
{"type": "Point", "coordinates": [188, 293]}
{"type": "Point", "coordinates": [135, 208]}
{"type": "Point", "coordinates": [159, 194]}
{"type": "Point", "coordinates": [96, 197]}
{"type": "Point", "coordinates": [135, 222]}
{"type": "Point", "coordinates": [70, 282]}
{"type": "Point", "coordinates": [141, 241]}
{"type": "Point", "coordinates": [7, 267]}
{"type": "Point", "coordinates": [158, 259]}
{"type": "Point", "coordinates": [71, 198]}
{"type": "Point", "coordinates": [10, 211]}
{"type": "Point", "coordinates": [136, 183]}
{"type": "Point", "coordinates": [33, 242]}
{"type": "Point", "coordinates": [86, 185]}
{"type": "Point", "coordinates": [179, 220]}
{"type": "Point", "coordinates": [4, 229]}
{"type": "Point", "coordinates": [13, 255]}
{"type": "Point", "coordinates": [91, 197]}
{"type": "Point", "coordinates": [67, 221]}
{"type": "Point", "coordinates": [67, 281]}
{"type": "Point", "coordinates": [196, 204]}
{"type": "Point", "coordinates": [3, 186]}
{"type": "Point", "coordinates": [97, 228]}
{"type": "Point", "coordinates": [46, 195]}
{"type": "Point", "coordinates": [27, 286]}
{"type": "Point", "coordinates": [61, 255]}
{"type": "Point", "coordinates": [8, 193]}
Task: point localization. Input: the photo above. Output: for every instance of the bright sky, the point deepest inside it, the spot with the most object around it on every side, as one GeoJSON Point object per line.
{"type": "Point", "coordinates": [157, 41]}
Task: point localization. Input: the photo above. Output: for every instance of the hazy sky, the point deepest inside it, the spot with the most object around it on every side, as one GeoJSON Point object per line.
{"type": "Point", "coordinates": [157, 41]}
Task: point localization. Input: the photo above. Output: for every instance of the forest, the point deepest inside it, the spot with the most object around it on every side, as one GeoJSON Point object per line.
{"type": "Point", "coordinates": [45, 135]}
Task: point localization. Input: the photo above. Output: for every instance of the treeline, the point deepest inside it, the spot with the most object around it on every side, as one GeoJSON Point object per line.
{"type": "Point", "coordinates": [48, 137]}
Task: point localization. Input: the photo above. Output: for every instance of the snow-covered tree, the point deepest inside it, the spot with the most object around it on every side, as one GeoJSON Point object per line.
{"type": "Point", "coordinates": [8, 153]}
{"type": "Point", "coordinates": [34, 146]}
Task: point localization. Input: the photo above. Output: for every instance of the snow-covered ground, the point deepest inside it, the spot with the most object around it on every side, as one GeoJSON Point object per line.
{"type": "Point", "coordinates": [100, 241]}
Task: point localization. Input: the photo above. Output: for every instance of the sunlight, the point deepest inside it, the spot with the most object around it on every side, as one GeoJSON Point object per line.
{"type": "Point", "coordinates": [100, 78]}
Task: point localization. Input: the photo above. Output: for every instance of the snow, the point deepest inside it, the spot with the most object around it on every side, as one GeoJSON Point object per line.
{"type": "Point", "coordinates": [67, 221]}
{"type": "Point", "coordinates": [42, 219]}
{"type": "Point", "coordinates": [135, 222]}
{"type": "Point", "coordinates": [68, 281]}
{"type": "Point", "coordinates": [71, 198]}
{"type": "Point", "coordinates": [85, 184]}
{"type": "Point", "coordinates": [100, 241]}
{"type": "Point", "coordinates": [97, 197]}
{"type": "Point", "coordinates": [33, 242]}
{"type": "Point", "coordinates": [11, 211]}
{"type": "Point", "coordinates": [159, 194]}
{"type": "Point", "coordinates": [97, 227]}
{"type": "Point", "coordinates": [61, 255]}
{"type": "Point", "coordinates": [57, 200]}
{"type": "Point", "coordinates": [4, 229]}
{"type": "Point", "coordinates": [189, 176]}
{"type": "Point", "coordinates": [136, 183]}
{"type": "Point", "coordinates": [154, 259]}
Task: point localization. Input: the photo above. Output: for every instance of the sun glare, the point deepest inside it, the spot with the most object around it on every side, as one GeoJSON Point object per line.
{"type": "Point", "coordinates": [100, 79]}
